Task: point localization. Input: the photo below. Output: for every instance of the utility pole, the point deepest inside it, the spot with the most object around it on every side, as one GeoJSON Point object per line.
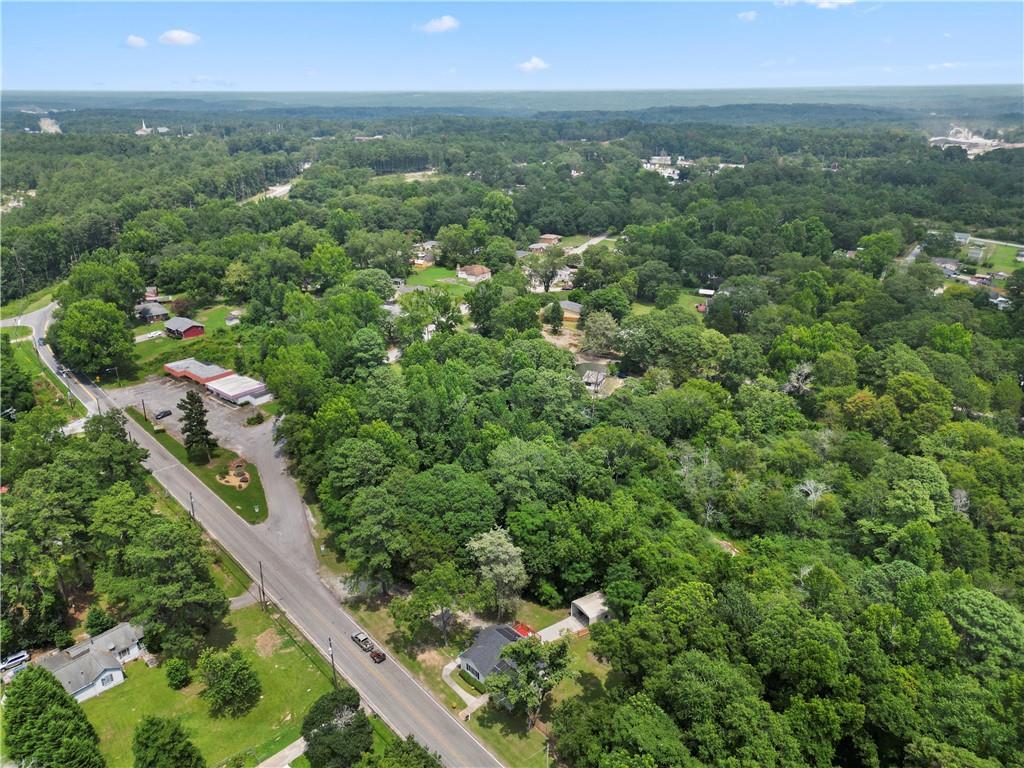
{"type": "Point", "coordinates": [144, 414]}
{"type": "Point", "coordinates": [334, 672]}
{"type": "Point", "coordinates": [191, 506]}
{"type": "Point", "coordinates": [263, 591]}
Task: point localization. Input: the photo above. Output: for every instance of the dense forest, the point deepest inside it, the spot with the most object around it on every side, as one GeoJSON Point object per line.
{"type": "Point", "coordinates": [805, 507]}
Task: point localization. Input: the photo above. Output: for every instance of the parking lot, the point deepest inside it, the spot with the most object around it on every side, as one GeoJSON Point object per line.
{"type": "Point", "coordinates": [225, 420]}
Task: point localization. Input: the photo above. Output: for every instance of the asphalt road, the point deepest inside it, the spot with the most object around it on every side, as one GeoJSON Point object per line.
{"type": "Point", "coordinates": [292, 583]}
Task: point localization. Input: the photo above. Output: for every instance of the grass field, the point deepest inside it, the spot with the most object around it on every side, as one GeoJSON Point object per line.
{"type": "Point", "coordinates": [687, 299]}
{"type": "Point", "coordinates": [573, 240]}
{"type": "Point", "coordinates": [214, 317]}
{"type": "Point", "coordinates": [440, 277]}
{"type": "Point", "coordinates": [250, 503]}
{"type": "Point", "coordinates": [292, 674]}
{"type": "Point", "coordinates": [1003, 258]}
{"type": "Point", "coordinates": [29, 303]}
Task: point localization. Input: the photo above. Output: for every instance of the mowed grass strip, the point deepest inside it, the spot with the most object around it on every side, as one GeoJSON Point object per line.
{"type": "Point", "coordinates": [18, 331]}
{"type": "Point", "coordinates": [26, 304]}
{"type": "Point", "coordinates": [250, 503]}
{"type": "Point", "coordinates": [291, 678]}
{"type": "Point", "coordinates": [49, 390]}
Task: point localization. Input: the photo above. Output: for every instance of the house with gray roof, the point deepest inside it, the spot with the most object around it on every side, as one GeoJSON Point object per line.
{"type": "Point", "coordinates": [94, 665]}
{"type": "Point", "coordinates": [183, 328]}
{"type": "Point", "coordinates": [151, 311]}
{"type": "Point", "coordinates": [483, 658]}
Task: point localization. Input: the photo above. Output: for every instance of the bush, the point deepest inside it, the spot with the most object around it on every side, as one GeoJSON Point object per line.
{"type": "Point", "coordinates": [232, 686]}
{"type": "Point", "coordinates": [178, 673]}
{"type": "Point", "coordinates": [256, 418]}
{"type": "Point", "coordinates": [63, 639]}
{"type": "Point", "coordinates": [472, 682]}
{"type": "Point", "coordinates": [98, 621]}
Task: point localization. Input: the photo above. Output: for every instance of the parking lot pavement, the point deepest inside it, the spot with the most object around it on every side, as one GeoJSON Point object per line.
{"type": "Point", "coordinates": [287, 524]}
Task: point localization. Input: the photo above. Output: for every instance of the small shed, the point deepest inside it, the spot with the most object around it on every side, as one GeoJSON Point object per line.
{"type": "Point", "coordinates": [705, 292]}
{"type": "Point", "coordinates": [589, 609]}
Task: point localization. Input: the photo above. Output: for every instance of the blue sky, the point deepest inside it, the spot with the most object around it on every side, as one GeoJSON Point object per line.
{"type": "Point", "coordinates": [507, 46]}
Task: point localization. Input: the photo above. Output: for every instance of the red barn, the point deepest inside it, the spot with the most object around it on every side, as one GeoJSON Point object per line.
{"type": "Point", "coordinates": [183, 328]}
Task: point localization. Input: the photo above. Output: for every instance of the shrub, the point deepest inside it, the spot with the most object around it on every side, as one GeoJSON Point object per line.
{"type": "Point", "coordinates": [63, 639]}
{"type": "Point", "coordinates": [98, 621]}
{"type": "Point", "coordinates": [232, 686]}
{"type": "Point", "coordinates": [178, 673]}
{"type": "Point", "coordinates": [472, 682]}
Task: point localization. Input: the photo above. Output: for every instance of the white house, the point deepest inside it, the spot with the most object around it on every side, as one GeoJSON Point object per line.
{"type": "Point", "coordinates": [94, 665]}
{"type": "Point", "coordinates": [473, 273]}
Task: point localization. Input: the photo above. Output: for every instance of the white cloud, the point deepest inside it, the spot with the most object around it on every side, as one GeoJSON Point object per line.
{"type": "Point", "coordinates": [945, 65]}
{"type": "Point", "coordinates": [533, 64]}
{"type": "Point", "coordinates": [179, 37]}
{"type": "Point", "coordinates": [747, 16]}
{"type": "Point", "coordinates": [134, 41]}
{"type": "Point", "coordinates": [441, 24]}
{"type": "Point", "coordinates": [947, 35]}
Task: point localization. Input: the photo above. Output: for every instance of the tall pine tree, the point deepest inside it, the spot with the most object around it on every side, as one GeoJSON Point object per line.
{"type": "Point", "coordinates": [198, 438]}
{"type": "Point", "coordinates": [45, 727]}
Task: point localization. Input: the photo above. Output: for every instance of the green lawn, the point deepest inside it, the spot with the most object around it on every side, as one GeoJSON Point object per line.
{"type": "Point", "coordinates": [250, 504]}
{"type": "Point", "coordinates": [214, 317]}
{"type": "Point", "coordinates": [689, 300]}
{"type": "Point", "coordinates": [440, 277]}
{"type": "Point", "coordinates": [29, 303]}
{"type": "Point", "coordinates": [50, 391]}
{"type": "Point", "coordinates": [1003, 258]}
{"type": "Point", "coordinates": [573, 240]}
{"type": "Point", "coordinates": [537, 617]}
{"type": "Point", "coordinates": [18, 331]}
{"type": "Point", "coordinates": [292, 674]}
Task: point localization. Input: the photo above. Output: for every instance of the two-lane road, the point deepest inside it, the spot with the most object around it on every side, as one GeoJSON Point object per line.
{"type": "Point", "coordinates": [293, 585]}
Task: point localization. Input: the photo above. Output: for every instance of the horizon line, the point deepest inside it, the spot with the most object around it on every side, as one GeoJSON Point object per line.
{"type": "Point", "coordinates": [528, 90]}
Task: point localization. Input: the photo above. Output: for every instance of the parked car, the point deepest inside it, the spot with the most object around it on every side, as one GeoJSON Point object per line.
{"type": "Point", "coordinates": [41, 342]}
{"type": "Point", "coordinates": [161, 414]}
{"type": "Point", "coordinates": [361, 639]}
{"type": "Point", "coordinates": [14, 660]}
{"type": "Point", "coordinates": [377, 656]}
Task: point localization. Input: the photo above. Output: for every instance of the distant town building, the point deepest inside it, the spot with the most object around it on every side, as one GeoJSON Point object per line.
{"type": "Point", "coordinates": [962, 238]}
{"type": "Point", "coordinates": [376, 137]}
{"type": "Point", "coordinates": [550, 239]}
{"type": "Point", "coordinates": [143, 131]}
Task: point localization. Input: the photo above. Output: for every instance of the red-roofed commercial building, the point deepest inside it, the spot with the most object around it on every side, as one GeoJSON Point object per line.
{"type": "Point", "coordinates": [193, 370]}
